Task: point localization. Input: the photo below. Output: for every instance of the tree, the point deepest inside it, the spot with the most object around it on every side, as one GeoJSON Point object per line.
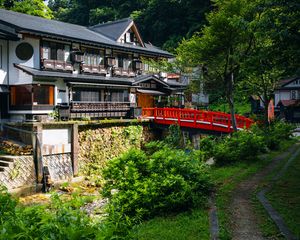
{"type": "Point", "coordinates": [32, 7]}
{"type": "Point", "coordinates": [159, 21]}
{"type": "Point", "coordinates": [276, 49]}
{"type": "Point", "coordinates": [223, 45]}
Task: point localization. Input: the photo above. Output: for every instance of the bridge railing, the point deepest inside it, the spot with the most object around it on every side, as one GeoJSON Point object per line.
{"type": "Point", "coordinates": [196, 118]}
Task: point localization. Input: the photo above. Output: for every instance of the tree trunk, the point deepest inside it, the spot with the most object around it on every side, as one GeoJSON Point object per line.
{"type": "Point", "coordinates": [230, 100]}
{"type": "Point", "coordinates": [266, 107]}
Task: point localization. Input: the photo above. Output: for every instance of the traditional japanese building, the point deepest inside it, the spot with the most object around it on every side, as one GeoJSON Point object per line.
{"type": "Point", "coordinates": [98, 71]}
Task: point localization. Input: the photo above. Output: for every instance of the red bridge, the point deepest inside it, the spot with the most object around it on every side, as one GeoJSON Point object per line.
{"type": "Point", "coordinates": [206, 120]}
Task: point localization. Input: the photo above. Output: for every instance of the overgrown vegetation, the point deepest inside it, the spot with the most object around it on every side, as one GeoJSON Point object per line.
{"type": "Point", "coordinates": [163, 183]}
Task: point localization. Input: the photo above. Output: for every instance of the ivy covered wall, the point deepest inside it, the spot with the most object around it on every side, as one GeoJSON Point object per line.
{"type": "Point", "coordinates": [100, 144]}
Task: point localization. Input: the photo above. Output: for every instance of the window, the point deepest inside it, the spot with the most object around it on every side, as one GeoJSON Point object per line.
{"type": "Point", "coordinates": [86, 95]}
{"type": "Point", "coordinates": [43, 95]}
{"type": "Point", "coordinates": [113, 95]}
{"type": "Point", "coordinates": [23, 95]}
{"type": "Point", "coordinates": [55, 51]}
{"type": "Point", "coordinates": [293, 94]}
{"type": "Point", "coordinates": [93, 56]}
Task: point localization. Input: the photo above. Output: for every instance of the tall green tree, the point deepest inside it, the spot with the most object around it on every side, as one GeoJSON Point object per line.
{"type": "Point", "coordinates": [276, 50]}
{"type": "Point", "coordinates": [32, 7]}
{"type": "Point", "coordinates": [161, 22]}
{"type": "Point", "coordinates": [223, 45]}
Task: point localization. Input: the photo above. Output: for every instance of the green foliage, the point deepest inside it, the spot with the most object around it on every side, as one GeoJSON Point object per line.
{"type": "Point", "coordinates": [174, 137]}
{"type": "Point", "coordinates": [31, 7]}
{"type": "Point", "coordinates": [59, 220]}
{"type": "Point", "coordinates": [159, 21]}
{"type": "Point", "coordinates": [275, 133]}
{"type": "Point", "coordinates": [241, 146]}
{"type": "Point", "coordinates": [148, 185]}
{"type": "Point", "coordinates": [98, 146]}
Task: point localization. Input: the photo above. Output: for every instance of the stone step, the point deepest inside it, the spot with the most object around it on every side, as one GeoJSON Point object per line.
{"type": "Point", "coordinates": [4, 164]}
{"type": "Point", "coordinates": [1, 169]}
{"type": "Point", "coordinates": [5, 158]}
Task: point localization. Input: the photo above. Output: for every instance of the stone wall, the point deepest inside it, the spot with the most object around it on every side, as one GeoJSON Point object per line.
{"type": "Point", "coordinates": [19, 173]}
{"type": "Point", "coordinates": [59, 165]}
{"type": "Point", "coordinates": [98, 145]}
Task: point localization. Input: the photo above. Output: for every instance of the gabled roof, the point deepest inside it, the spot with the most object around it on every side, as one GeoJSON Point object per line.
{"type": "Point", "coordinates": [23, 23]}
{"type": "Point", "coordinates": [283, 82]}
{"type": "Point", "coordinates": [144, 78]}
{"type": "Point", "coordinates": [112, 30]}
{"type": "Point", "coordinates": [116, 29]}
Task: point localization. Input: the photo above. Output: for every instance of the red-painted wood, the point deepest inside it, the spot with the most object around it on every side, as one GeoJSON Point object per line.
{"type": "Point", "coordinates": [208, 120]}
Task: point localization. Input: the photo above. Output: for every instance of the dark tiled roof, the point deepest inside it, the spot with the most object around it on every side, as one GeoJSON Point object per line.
{"type": "Point", "coordinates": [74, 77]}
{"type": "Point", "coordinates": [114, 29]}
{"type": "Point", "coordinates": [52, 28]}
{"type": "Point", "coordinates": [284, 82]}
{"type": "Point", "coordinates": [143, 78]}
{"type": "Point", "coordinates": [174, 83]}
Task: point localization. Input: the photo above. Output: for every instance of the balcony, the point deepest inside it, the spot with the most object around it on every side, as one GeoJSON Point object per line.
{"type": "Point", "coordinates": [124, 73]}
{"type": "Point", "coordinates": [57, 65]}
{"type": "Point", "coordinates": [99, 109]}
{"type": "Point", "coordinates": [94, 69]}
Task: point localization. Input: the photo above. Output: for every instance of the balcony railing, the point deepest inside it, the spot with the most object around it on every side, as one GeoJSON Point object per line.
{"type": "Point", "coordinates": [124, 73]}
{"type": "Point", "coordinates": [99, 109]}
{"type": "Point", "coordinates": [57, 65]}
{"type": "Point", "coordinates": [97, 69]}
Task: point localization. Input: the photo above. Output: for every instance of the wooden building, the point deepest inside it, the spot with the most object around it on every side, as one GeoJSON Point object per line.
{"type": "Point", "coordinates": [95, 72]}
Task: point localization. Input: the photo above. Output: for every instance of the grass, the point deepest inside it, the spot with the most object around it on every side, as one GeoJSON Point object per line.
{"type": "Point", "coordinates": [195, 224]}
{"type": "Point", "coordinates": [285, 197]}
{"type": "Point", "coordinates": [190, 225]}
{"type": "Point", "coordinates": [228, 177]}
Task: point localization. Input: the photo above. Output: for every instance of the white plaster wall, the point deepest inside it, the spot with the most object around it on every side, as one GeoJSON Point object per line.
{"type": "Point", "coordinates": [282, 95]}
{"type": "Point", "coordinates": [17, 76]}
{"type": "Point", "coordinates": [3, 62]}
{"type": "Point", "coordinates": [56, 136]}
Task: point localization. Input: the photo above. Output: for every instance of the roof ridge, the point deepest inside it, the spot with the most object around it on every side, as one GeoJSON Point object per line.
{"type": "Point", "coordinates": [111, 22]}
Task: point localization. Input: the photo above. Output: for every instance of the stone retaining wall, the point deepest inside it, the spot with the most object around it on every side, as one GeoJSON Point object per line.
{"type": "Point", "coordinates": [20, 172]}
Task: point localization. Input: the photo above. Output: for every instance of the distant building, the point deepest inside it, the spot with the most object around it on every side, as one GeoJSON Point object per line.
{"type": "Point", "coordinates": [95, 72]}
{"type": "Point", "coordinates": [287, 99]}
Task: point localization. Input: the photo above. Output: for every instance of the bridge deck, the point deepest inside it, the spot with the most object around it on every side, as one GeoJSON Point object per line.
{"type": "Point", "coordinates": [214, 121]}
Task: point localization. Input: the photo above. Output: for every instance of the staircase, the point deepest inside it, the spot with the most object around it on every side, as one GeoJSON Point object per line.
{"type": "Point", "coordinates": [5, 161]}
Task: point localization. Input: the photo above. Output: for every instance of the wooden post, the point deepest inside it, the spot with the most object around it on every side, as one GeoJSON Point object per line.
{"type": "Point", "coordinates": [74, 149]}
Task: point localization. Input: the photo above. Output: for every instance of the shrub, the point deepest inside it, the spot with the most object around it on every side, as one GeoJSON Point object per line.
{"type": "Point", "coordinates": [148, 185]}
{"type": "Point", "coordinates": [242, 145]}
{"type": "Point", "coordinates": [59, 220]}
{"type": "Point", "coordinates": [277, 132]}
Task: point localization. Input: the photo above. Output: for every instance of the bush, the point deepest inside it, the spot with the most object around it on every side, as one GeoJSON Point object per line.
{"type": "Point", "coordinates": [276, 133]}
{"type": "Point", "coordinates": [58, 220]}
{"type": "Point", "coordinates": [148, 185]}
{"type": "Point", "coordinates": [242, 145]}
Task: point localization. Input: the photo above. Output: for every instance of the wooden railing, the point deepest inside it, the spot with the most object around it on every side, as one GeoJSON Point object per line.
{"type": "Point", "coordinates": [97, 69]}
{"type": "Point", "coordinates": [57, 65]}
{"type": "Point", "coordinates": [207, 120]}
{"type": "Point", "coordinates": [99, 106]}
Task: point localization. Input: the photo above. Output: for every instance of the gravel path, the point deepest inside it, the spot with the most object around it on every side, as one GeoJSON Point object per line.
{"type": "Point", "coordinates": [244, 222]}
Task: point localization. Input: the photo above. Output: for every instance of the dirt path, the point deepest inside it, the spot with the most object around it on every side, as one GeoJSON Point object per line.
{"type": "Point", "coordinates": [244, 223]}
